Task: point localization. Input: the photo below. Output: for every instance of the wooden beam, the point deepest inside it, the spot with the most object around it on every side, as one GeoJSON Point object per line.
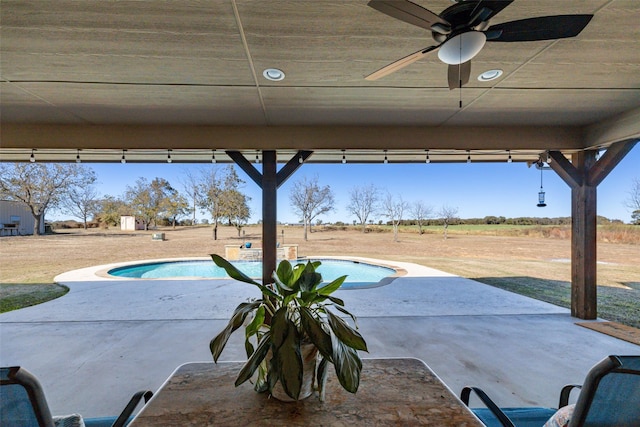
{"type": "Point", "coordinates": [292, 165]}
{"type": "Point", "coordinates": [163, 137]}
{"type": "Point", "coordinates": [565, 169]}
{"type": "Point", "coordinates": [614, 154]}
{"type": "Point", "coordinates": [624, 127]}
{"type": "Point", "coordinates": [246, 166]}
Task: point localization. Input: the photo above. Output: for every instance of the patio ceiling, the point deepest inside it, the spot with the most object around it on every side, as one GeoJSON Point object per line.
{"type": "Point", "coordinates": [149, 76]}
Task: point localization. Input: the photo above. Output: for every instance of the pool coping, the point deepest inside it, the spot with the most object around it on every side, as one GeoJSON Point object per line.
{"type": "Point", "coordinates": [399, 271]}
{"type": "Point", "coordinates": [101, 272]}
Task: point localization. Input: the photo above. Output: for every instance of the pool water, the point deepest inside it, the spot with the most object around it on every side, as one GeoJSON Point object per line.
{"type": "Point", "coordinates": [359, 274]}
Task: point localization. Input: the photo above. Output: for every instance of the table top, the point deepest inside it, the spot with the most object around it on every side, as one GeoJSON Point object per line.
{"type": "Point", "coordinates": [395, 391]}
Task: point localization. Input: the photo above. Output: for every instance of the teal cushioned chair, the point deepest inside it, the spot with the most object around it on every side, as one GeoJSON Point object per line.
{"type": "Point", "coordinates": [23, 404]}
{"type": "Point", "coordinates": [610, 396]}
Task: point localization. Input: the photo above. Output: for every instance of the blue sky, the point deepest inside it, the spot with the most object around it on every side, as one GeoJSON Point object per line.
{"type": "Point", "coordinates": [476, 189]}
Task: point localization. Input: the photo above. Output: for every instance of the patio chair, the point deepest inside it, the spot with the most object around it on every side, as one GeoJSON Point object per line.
{"type": "Point", "coordinates": [610, 396]}
{"type": "Point", "coordinates": [23, 404]}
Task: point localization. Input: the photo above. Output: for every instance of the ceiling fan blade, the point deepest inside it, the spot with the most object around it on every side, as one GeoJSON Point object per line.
{"type": "Point", "coordinates": [541, 28]}
{"type": "Point", "coordinates": [492, 34]}
{"type": "Point", "coordinates": [400, 63]}
{"type": "Point", "coordinates": [407, 11]}
{"type": "Point", "coordinates": [480, 16]}
{"type": "Point", "coordinates": [458, 75]}
{"type": "Point", "coordinates": [496, 6]}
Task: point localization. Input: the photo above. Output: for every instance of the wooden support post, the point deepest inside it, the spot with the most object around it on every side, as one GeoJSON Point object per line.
{"type": "Point", "coordinates": [269, 181]}
{"type": "Point", "coordinates": [269, 214]}
{"type": "Point", "coordinates": [584, 294]}
{"type": "Point", "coordinates": [583, 174]}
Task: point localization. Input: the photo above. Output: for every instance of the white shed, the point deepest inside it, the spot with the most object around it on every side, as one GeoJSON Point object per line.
{"type": "Point", "coordinates": [130, 223]}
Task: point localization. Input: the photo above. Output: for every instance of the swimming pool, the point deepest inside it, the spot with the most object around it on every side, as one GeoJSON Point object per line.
{"type": "Point", "coordinates": [359, 274]}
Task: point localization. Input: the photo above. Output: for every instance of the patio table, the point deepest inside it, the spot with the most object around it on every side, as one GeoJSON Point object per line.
{"type": "Point", "coordinates": [393, 391]}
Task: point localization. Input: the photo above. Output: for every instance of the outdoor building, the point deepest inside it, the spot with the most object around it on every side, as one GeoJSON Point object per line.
{"type": "Point", "coordinates": [16, 220]}
{"type": "Point", "coordinates": [130, 223]}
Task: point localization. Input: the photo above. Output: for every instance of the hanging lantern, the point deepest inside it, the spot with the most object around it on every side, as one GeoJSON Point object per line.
{"type": "Point", "coordinates": [541, 203]}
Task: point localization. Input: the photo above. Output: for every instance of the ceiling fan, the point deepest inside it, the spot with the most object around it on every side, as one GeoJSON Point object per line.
{"type": "Point", "coordinates": [462, 30]}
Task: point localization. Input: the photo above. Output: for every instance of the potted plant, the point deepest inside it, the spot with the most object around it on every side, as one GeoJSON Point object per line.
{"type": "Point", "coordinates": [291, 323]}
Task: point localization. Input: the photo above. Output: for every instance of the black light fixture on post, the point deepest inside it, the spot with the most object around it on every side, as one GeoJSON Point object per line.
{"type": "Point", "coordinates": [541, 203]}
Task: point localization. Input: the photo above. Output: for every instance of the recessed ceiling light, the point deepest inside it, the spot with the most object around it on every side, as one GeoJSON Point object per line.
{"type": "Point", "coordinates": [489, 75]}
{"type": "Point", "coordinates": [273, 74]}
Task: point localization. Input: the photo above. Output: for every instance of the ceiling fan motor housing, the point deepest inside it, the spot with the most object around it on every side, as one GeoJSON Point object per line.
{"type": "Point", "coordinates": [460, 18]}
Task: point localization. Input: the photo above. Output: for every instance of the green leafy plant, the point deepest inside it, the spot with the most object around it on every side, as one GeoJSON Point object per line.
{"type": "Point", "coordinates": [293, 311]}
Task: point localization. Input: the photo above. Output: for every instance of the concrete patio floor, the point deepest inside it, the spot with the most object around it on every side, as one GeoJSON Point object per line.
{"type": "Point", "coordinates": [108, 338]}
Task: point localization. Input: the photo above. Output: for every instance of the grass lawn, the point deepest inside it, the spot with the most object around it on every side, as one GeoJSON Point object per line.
{"type": "Point", "coordinates": [15, 296]}
{"type": "Point", "coordinates": [520, 259]}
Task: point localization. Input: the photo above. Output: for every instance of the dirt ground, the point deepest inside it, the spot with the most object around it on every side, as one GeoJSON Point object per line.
{"type": "Point", "coordinates": [38, 259]}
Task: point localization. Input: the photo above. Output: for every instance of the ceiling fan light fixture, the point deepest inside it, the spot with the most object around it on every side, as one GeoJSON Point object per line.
{"type": "Point", "coordinates": [273, 74]}
{"type": "Point", "coordinates": [462, 48]}
{"type": "Point", "coordinates": [489, 75]}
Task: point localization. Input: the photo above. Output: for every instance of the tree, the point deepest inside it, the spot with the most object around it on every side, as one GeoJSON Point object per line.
{"type": "Point", "coordinates": [448, 214]}
{"type": "Point", "coordinates": [210, 189]}
{"type": "Point", "coordinates": [236, 208]}
{"type": "Point", "coordinates": [41, 186]}
{"type": "Point", "coordinates": [82, 202]}
{"type": "Point", "coordinates": [633, 202]}
{"type": "Point", "coordinates": [394, 209]}
{"type": "Point", "coordinates": [176, 205]}
{"type": "Point", "coordinates": [363, 202]}
{"type": "Point", "coordinates": [110, 209]}
{"type": "Point", "coordinates": [420, 212]}
{"type": "Point", "coordinates": [191, 185]}
{"type": "Point", "coordinates": [234, 204]}
{"type": "Point", "coordinates": [309, 200]}
{"type": "Point", "coordinates": [150, 200]}
{"type": "Point", "coordinates": [217, 196]}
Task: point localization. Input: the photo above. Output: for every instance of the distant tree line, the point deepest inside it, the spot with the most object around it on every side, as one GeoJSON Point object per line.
{"type": "Point", "coordinates": [214, 190]}
{"type": "Point", "coordinates": [368, 201]}
{"type": "Point", "coordinates": [217, 191]}
{"type": "Point", "coordinates": [71, 189]}
{"type": "Point", "coordinates": [492, 220]}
